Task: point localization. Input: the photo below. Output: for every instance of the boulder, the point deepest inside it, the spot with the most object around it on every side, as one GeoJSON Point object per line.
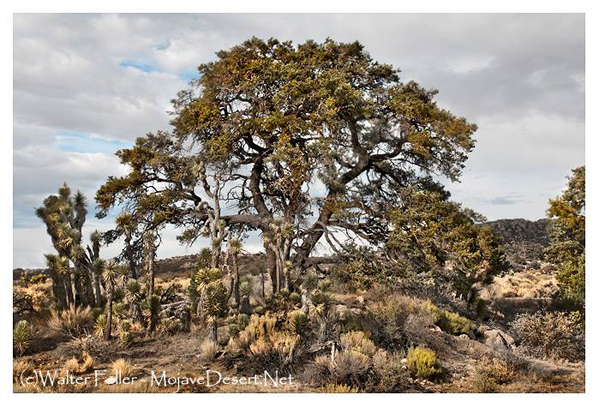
{"type": "Point", "coordinates": [498, 340]}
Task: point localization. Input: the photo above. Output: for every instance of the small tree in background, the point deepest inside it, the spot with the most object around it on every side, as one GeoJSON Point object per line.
{"type": "Point", "coordinates": [567, 234]}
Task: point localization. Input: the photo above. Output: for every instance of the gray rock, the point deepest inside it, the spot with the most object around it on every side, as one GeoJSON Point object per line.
{"type": "Point", "coordinates": [498, 340]}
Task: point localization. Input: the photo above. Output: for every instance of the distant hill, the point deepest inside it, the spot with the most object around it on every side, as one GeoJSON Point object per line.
{"type": "Point", "coordinates": [525, 240]}
{"type": "Point", "coordinates": [522, 230]}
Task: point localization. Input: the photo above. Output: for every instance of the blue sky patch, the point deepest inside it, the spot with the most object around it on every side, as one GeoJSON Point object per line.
{"type": "Point", "coordinates": [87, 143]}
{"type": "Point", "coordinates": [142, 66]}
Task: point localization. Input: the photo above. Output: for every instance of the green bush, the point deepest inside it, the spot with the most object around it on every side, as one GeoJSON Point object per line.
{"type": "Point", "coordinates": [423, 363]}
{"type": "Point", "coordinates": [449, 322]}
{"type": "Point", "coordinates": [21, 337]}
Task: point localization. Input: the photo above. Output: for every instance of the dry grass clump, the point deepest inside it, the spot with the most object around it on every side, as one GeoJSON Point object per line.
{"type": "Point", "coordinates": [550, 334]}
{"type": "Point", "coordinates": [208, 350]}
{"type": "Point", "coordinates": [265, 346]}
{"type": "Point", "coordinates": [490, 374]}
{"type": "Point", "coordinates": [73, 321]}
{"type": "Point", "coordinates": [122, 367]}
{"type": "Point", "coordinates": [81, 365]}
{"type": "Point", "coordinates": [71, 365]}
{"type": "Point", "coordinates": [357, 365]}
{"type": "Point", "coordinates": [358, 341]}
{"type": "Point", "coordinates": [20, 366]}
{"type": "Point", "coordinates": [338, 388]}
{"type": "Point", "coordinates": [423, 363]}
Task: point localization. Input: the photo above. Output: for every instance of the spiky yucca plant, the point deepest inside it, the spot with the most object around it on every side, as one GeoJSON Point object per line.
{"type": "Point", "coordinates": [21, 337]}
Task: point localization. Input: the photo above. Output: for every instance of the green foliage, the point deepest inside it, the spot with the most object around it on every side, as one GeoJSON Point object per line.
{"type": "Point", "coordinates": [299, 323]}
{"type": "Point", "coordinates": [423, 363]}
{"type": "Point", "coordinates": [449, 322]}
{"type": "Point", "coordinates": [433, 234]}
{"type": "Point", "coordinates": [215, 301]}
{"type": "Point", "coordinates": [359, 268]}
{"type": "Point", "coordinates": [22, 336]}
{"type": "Point", "coordinates": [567, 234]}
{"type": "Point", "coordinates": [291, 115]}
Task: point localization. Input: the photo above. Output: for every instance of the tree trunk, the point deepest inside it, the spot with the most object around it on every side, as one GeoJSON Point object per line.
{"type": "Point", "coordinates": [262, 281]}
{"type": "Point", "coordinates": [237, 283]}
{"type": "Point", "coordinates": [108, 331]}
{"type": "Point", "coordinates": [213, 335]}
{"type": "Point", "coordinates": [72, 280]}
{"type": "Point", "coordinates": [270, 264]}
{"type": "Point", "coordinates": [96, 282]}
{"type": "Point", "coordinates": [150, 274]}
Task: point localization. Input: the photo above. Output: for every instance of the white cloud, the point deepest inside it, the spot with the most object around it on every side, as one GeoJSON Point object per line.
{"type": "Point", "coordinates": [520, 77]}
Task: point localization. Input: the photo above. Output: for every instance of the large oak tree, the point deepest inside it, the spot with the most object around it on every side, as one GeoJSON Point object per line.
{"type": "Point", "coordinates": [299, 140]}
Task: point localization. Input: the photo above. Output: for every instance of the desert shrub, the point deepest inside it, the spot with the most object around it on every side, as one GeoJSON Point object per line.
{"type": "Point", "coordinates": [358, 341]}
{"type": "Point", "coordinates": [123, 367]}
{"type": "Point", "coordinates": [390, 316]}
{"type": "Point", "coordinates": [72, 321]}
{"type": "Point", "coordinates": [71, 365]}
{"type": "Point", "coordinates": [358, 364]}
{"type": "Point", "coordinates": [35, 298]}
{"type": "Point", "coordinates": [351, 367]}
{"type": "Point", "coordinates": [388, 375]}
{"type": "Point", "coordinates": [79, 365]}
{"type": "Point", "coordinates": [208, 350]}
{"type": "Point", "coordinates": [449, 322]}
{"type": "Point", "coordinates": [21, 366]}
{"type": "Point", "coordinates": [550, 334]}
{"type": "Point", "coordinates": [490, 374]}
{"type": "Point", "coordinates": [338, 388]}
{"type": "Point", "coordinates": [22, 336]}
{"type": "Point", "coordinates": [423, 363]}
{"type": "Point", "coordinates": [87, 362]}
{"type": "Point", "coordinates": [266, 347]}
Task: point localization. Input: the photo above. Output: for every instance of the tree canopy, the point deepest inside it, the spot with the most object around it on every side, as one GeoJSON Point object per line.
{"type": "Point", "coordinates": [297, 140]}
{"type": "Point", "coordinates": [567, 235]}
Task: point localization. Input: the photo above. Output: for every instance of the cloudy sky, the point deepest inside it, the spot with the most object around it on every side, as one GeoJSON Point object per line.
{"type": "Point", "coordinates": [88, 85]}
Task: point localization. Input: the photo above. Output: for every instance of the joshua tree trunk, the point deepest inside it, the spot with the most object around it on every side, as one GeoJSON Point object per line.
{"type": "Point", "coordinates": [72, 280]}
{"type": "Point", "coordinates": [262, 281]}
{"type": "Point", "coordinates": [213, 335]}
{"type": "Point", "coordinates": [237, 283]}
{"type": "Point", "coordinates": [271, 267]}
{"type": "Point", "coordinates": [151, 275]}
{"type": "Point", "coordinates": [96, 281]}
{"type": "Point", "coordinates": [108, 331]}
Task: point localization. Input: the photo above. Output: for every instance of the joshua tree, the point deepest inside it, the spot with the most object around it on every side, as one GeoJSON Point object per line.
{"type": "Point", "coordinates": [58, 267]}
{"type": "Point", "coordinates": [110, 275]}
{"type": "Point", "coordinates": [215, 306]}
{"type": "Point", "coordinates": [64, 216]}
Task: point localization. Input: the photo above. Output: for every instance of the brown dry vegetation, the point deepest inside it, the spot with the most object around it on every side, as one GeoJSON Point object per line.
{"type": "Point", "coordinates": [374, 331]}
